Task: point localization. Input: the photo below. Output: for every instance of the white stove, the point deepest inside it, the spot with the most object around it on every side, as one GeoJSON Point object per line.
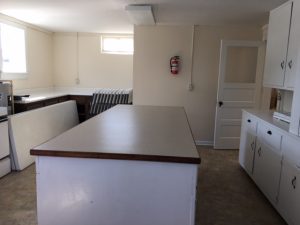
{"type": "Point", "coordinates": [3, 111]}
{"type": "Point", "coordinates": [5, 106]}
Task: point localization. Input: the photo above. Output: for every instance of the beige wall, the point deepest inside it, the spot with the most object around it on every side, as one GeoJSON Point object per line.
{"type": "Point", "coordinates": [39, 61]}
{"type": "Point", "coordinates": [94, 69]}
{"type": "Point", "coordinates": [154, 85]}
{"type": "Point", "coordinates": [39, 56]}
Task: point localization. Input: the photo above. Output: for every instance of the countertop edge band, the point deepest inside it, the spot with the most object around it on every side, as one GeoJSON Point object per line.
{"type": "Point", "coordinates": [116, 156]}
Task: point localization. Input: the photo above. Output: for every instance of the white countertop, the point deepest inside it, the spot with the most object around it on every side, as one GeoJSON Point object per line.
{"type": "Point", "coordinates": [268, 117]}
{"type": "Point", "coordinates": [152, 133]}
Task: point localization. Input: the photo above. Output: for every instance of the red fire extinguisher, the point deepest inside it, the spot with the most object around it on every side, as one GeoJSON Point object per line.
{"type": "Point", "coordinates": [174, 64]}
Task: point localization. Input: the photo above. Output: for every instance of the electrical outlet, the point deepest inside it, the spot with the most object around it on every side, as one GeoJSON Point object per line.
{"type": "Point", "coordinates": [77, 80]}
{"type": "Point", "coordinates": [190, 87]}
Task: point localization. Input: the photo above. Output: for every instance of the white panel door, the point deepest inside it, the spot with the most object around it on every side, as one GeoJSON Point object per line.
{"type": "Point", "coordinates": [277, 45]}
{"type": "Point", "coordinates": [237, 89]}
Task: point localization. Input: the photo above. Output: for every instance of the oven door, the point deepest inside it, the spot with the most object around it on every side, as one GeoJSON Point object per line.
{"type": "Point", "coordinates": [4, 141]}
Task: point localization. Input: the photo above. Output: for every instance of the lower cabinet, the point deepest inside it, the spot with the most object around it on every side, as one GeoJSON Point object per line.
{"type": "Point", "coordinates": [82, 102]}
{"type": "Point", "coordinates": [247, 142]}
{"type": "Point", "coordinates": [289, 190]}
{"type": "Point", "coordinates": [274, 165]}
{"type": "Point", "coordinates": [289, 195]}
{"type": "Point", "coordinates": [246, 158]}
{"type": "Point", "coordinates": [267, 169]}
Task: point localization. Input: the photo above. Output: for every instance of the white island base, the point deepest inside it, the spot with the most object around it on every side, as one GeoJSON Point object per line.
{"type": "Point", "coordinates": [79, 191]}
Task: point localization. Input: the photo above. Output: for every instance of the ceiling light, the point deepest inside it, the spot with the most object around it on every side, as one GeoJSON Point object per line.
{"type": "Point", "coordinates": [140, 14]}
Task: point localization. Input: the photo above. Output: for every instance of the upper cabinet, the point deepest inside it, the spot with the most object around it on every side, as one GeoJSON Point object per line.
{"type": "Point", "coordinates": [282, 46]}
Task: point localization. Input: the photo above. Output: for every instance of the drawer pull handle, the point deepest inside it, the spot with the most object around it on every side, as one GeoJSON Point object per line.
{"type": "Point", "coordinates": [294, 182]}
{"type": "Point", "coordinates": [269, 132]}
{"type": "Point", "coordinates": [249, 121]}
{"type": "Point", "coordinates": [259, 151]}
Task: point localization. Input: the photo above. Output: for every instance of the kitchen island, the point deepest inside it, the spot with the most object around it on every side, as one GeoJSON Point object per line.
{"type": "Point", "coordinates": [131, 165]}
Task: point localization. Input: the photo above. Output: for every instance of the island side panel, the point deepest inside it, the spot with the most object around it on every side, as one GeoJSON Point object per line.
{"type": "Point", "coordinates": [74, 191]}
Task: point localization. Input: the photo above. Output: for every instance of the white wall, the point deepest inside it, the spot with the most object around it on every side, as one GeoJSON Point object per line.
{"type": "Point", "coordinates": [154, 85]}
{"type": "Point", "coordinates": [94, 69]}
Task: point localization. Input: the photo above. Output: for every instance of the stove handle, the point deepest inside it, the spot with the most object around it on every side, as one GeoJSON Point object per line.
{"type": "Point", "coordinates": [3, 119]}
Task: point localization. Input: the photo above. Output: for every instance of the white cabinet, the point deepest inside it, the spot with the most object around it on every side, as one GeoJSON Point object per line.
{"type": "Point", "coordinates": [266, 172]}
{"type": "Point", "coordinates": [293, 47]}
{"type": "Point", "coordinates": [267, 163]}
{"type": "Point", "coordinates": [276, 162]}
{"type": "Point", "coordinates": [246, 159]}
{"type": "Point", "coordinates": [247, 142]}
{"type": "Point", "coordinates": [282, 46]}
{"type": "Point", "coordinates": [289, 194]}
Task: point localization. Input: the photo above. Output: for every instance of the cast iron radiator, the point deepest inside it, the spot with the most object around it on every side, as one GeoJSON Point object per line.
{"type": "Point", "coordinates": [107, 98]}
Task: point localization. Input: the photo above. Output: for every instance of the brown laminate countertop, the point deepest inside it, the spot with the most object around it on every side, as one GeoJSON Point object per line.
{"type": "Point", "coordinates": [127, 132]}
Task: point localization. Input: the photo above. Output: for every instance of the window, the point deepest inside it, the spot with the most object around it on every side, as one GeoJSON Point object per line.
{"type": "Point", "coordinates": [13, 54]}
{"type": "Point", "coordinates": [117, 44]}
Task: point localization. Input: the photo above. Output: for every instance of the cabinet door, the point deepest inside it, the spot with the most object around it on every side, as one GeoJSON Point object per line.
{"type": "Point", "coordinates": [266, 171]}
{"type": "Point", "coordinates": [277, 44]}
{"type": "Point", "coordinates": [247, 149]}
{"type": "Point", "coordinates": [289, 194]}
{"type": "Point", "coordinates": [291, 68]}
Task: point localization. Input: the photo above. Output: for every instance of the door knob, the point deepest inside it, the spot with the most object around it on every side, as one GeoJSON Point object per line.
{"type": "Point", "coordinates": [220, 103]}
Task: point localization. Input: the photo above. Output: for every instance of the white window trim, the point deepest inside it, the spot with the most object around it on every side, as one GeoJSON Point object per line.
{"type": "Point", "coordinates": [17, 76]}
{"type": "Point", "coordinates": [114, 36]}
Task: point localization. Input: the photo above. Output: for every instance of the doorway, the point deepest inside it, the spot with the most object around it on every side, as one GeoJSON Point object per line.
{"type": "Point", "coordinates": [238, 88]}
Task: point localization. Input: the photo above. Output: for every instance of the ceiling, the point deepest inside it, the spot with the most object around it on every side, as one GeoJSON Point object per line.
{"type": "Point", "coordinates": [109, 16]}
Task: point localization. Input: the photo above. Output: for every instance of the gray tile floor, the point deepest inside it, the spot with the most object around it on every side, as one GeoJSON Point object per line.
{"type": "Point", "coordinates": [226, 195]}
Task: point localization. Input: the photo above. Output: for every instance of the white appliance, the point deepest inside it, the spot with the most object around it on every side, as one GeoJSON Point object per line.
{"type": "Point", "coordinates": [5, 166]}
{"type": "Point", "coordinates": [6, 108]}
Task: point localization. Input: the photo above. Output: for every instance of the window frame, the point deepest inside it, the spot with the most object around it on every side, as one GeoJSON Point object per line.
{"type": "Point", "coordinates": [15, 75]}
{"type": "Point", "coordinates": [103, 36]}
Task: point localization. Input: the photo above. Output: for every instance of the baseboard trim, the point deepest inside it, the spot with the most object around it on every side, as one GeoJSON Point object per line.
{"type": "Point", "coordinates": [204, 143]}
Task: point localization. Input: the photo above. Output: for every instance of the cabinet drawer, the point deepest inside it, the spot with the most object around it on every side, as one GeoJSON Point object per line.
{"type": "Point", "coordinates": [250, 123]}
{"type": "Point", "coordinates": [5, 166]}
{"type": "Point", "coordinates": [269, 136]}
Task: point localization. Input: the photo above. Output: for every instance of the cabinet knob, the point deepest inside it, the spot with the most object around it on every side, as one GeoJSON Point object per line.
{"type": "Point", "coordinates": [249, 121]}
{"type": "Point", "coordinates": [290, 64]}
{"type": "Point", "coordinates": [252, 146]}
{"type": "Point", "coordinates": [259, 151]}
{"type": "Point", "coordinates": [294, 182]}
{"type": "Point", "coordinates": [282, 64]}
{"type": "Point", "coordinates": [269, 132]}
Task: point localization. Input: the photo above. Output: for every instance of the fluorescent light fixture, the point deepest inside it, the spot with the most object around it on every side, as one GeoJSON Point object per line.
{"type": "Point", "coordinates": [140, 14]}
